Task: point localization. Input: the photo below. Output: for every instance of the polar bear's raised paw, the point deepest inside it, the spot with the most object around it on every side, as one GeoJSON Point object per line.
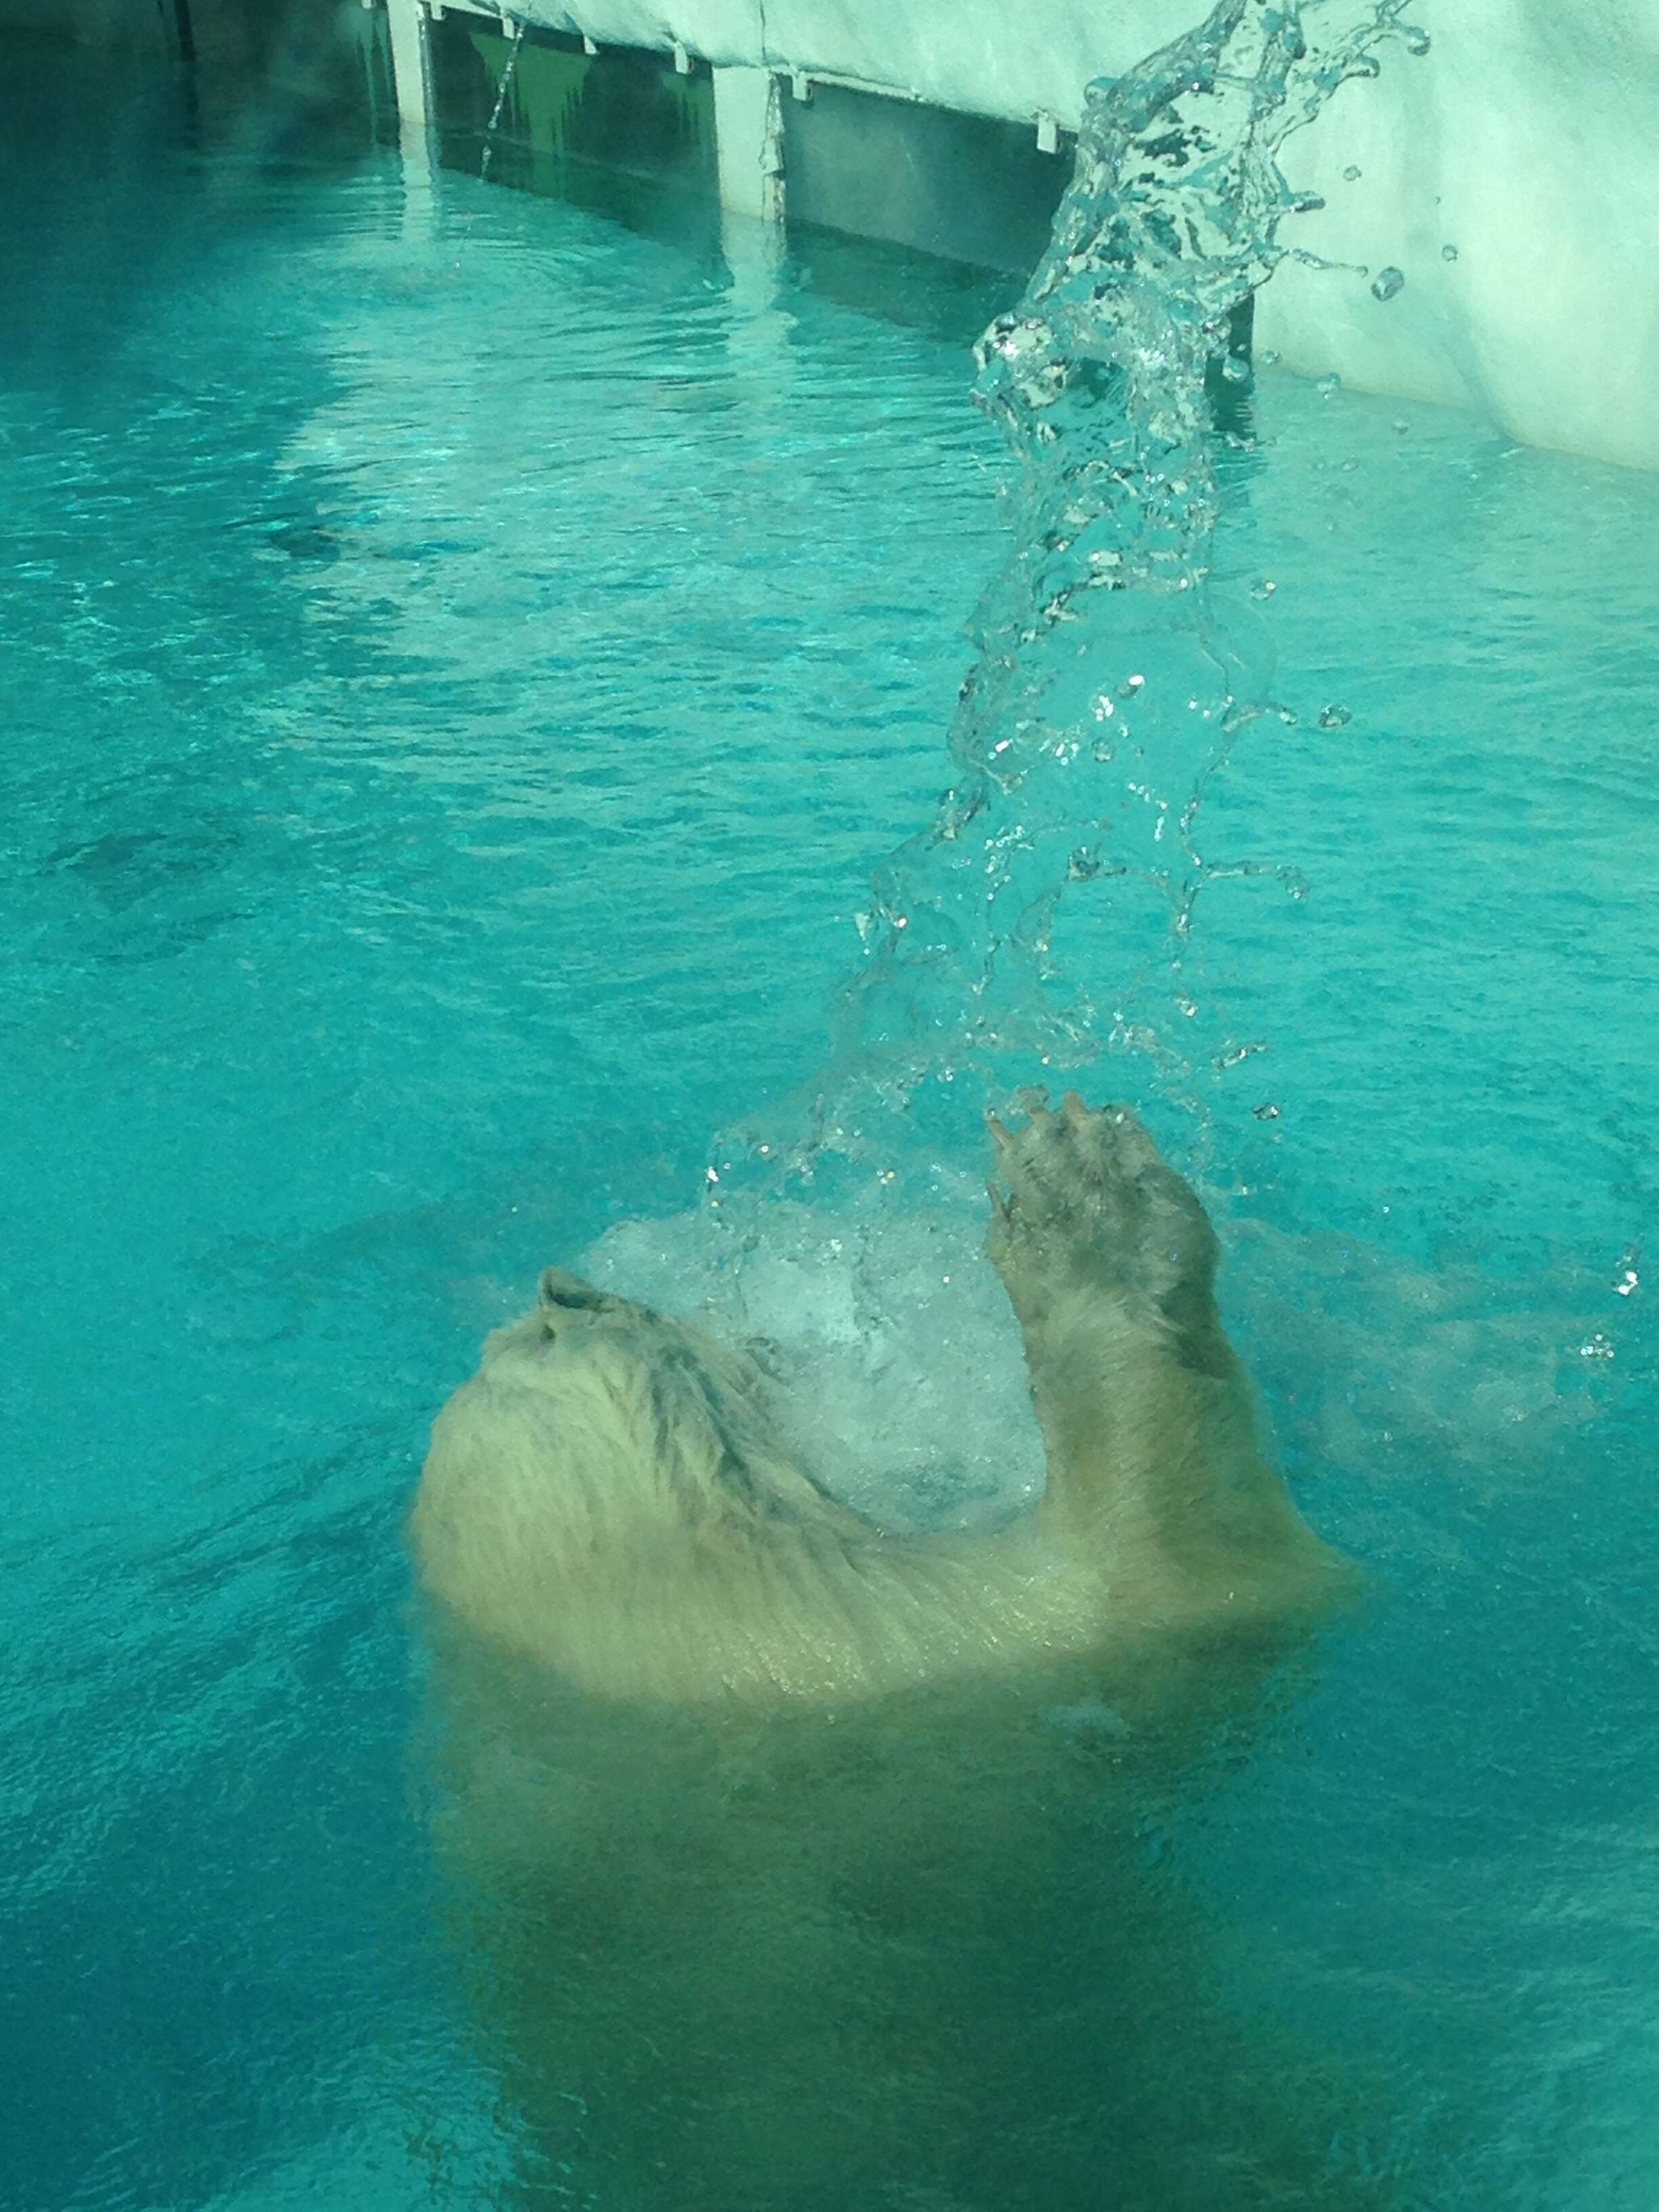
{"type": "Point", "coordinates": [1082, 1201]}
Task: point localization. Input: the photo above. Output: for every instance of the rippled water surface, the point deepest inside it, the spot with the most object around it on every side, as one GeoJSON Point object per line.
{"type": "Point", "coordinates": [463, 660]}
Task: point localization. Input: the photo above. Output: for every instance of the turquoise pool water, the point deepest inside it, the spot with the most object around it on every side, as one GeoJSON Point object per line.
{"type": "Point", "coordinates": [463, 660]}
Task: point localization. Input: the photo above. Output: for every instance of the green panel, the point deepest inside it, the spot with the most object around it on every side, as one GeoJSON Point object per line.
{"type": "Point", "coordinates": [620, 110]}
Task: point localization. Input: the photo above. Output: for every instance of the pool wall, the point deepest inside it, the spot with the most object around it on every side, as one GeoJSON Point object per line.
{"type": "Point", "coordinates": [1510, 175]}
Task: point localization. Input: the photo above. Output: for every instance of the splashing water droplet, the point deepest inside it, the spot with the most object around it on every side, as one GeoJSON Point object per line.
{"type": "Point", "coordinates": [1334, 717]}
{"type": "Point", "coordinates": [1387, 283]}
{"type": "Point", "coordinates": [504, 88]}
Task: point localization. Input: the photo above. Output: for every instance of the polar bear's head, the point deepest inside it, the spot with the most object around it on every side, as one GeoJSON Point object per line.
{"type": "Point", "coordinates": [613, 1382]}
{"type": "Point", "coordinates": [598, 1439]}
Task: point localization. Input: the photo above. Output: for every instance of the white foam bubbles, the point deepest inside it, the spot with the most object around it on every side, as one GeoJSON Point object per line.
{"type": "Point", "coordinates": [901, 1375]}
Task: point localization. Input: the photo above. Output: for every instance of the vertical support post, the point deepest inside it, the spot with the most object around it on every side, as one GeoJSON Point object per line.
{"type": "Point", "coordinates": [411, 70]}
{"type": "Point", "coordinates": [749, 155]}
{"type": "Point", "coordinates": [749, 143]}
{"type": "Point", "coordinates": [411, 85]}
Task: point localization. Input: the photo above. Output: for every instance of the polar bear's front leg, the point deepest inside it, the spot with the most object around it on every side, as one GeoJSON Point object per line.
{"type": "Point", "coordinates": [1153, 1460]}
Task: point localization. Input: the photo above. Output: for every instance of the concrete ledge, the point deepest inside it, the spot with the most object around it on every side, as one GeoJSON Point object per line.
{"type": "Point", "coordinates": [981, 57]}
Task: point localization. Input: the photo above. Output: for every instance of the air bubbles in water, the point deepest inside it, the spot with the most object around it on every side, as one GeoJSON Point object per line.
{"type": "Point", "coordinates": [1266, 1112]}
{"type": "Point", "coordinates": [1352, 173]}
{"type": "Point", "coordinates": [1327, 386]}
{"type": "Point", "coordinates": [1449, 253]}
{"type": "Point", "coordinates": [1387, 283]}
{"type": "Point", "coordinates": [1627, 1279]}
{"type": "Point", "coordinates": [1334, 717]}
{"type": "Point", "coordinates": [1233, 1055]}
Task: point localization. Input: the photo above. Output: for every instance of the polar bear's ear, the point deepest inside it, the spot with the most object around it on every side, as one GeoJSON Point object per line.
{"type": "Point", "coordinates": [569, 1294]}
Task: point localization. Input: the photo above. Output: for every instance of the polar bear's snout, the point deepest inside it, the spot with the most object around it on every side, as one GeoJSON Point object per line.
{"type": "Point", "coordinates": [568, 1293]}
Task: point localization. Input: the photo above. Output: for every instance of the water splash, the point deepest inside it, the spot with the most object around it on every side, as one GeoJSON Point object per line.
{"type": "Point", "coordinates": [1114, 671]}
{"type": "Point", "coordinates": [502, 90]}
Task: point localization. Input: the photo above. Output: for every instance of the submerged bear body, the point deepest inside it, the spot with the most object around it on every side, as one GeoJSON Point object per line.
{"type": "Point", "coordinates": [805, 1863]}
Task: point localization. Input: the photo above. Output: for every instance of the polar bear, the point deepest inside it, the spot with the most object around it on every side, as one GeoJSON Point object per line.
{"type": "Point", "coordinates": [806, 1863]}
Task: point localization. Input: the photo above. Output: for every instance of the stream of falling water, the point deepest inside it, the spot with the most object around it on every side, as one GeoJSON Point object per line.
{"type": "Point", "coordinates": [1046, 917]}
